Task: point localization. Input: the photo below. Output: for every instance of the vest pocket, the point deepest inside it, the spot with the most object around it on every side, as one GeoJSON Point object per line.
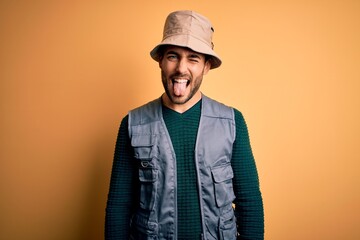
{"type": "Point", "coordinates": [147, 177]}
{"type": "Point", "coordinates": [222, 176]}
{"type": "Point", "coordinates": [142, 228]}
{"type": "Point", "coordinates": [227, 226]}
{"type": "Point", "coordinates": [143, 146]}
{"type": "Point", "coordinates": [148, 173]}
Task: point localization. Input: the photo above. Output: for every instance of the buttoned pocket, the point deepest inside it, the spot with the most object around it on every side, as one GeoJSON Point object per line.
{"type": "Point", "coordinates": [148, 186]}
{"type": "Point", "coordinates": [143, 146]}
{"type": "Point", "coordinates": [222, 177]}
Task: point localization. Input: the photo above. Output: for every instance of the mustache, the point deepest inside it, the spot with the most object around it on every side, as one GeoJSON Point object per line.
{"type": "Point", "coordinates": [179, 75]}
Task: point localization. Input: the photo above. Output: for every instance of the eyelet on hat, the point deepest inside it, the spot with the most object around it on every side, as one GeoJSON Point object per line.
{"type": "Point", "coordinates": [189, 29]}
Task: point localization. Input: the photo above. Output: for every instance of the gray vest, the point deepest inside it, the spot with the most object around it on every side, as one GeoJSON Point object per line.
{"type": "Point", "coordinates": [156, 217]}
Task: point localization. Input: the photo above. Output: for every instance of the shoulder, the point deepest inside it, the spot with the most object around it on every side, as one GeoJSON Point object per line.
{"type": "Point", "coordinates": [239, 117]}
{"type": "Point", "coordinates": [240, 120]}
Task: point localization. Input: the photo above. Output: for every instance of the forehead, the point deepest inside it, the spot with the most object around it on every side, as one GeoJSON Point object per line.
{"type": "Point", "coordinates": [182, 51]}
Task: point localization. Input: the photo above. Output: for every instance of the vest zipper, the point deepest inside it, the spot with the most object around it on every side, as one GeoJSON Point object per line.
{"type": "Point", "coordinates": [203, 235]}
{"type": "Point", "coordinates": [175, 199]}
{"type": "Point", "coordinates": [175, 175]}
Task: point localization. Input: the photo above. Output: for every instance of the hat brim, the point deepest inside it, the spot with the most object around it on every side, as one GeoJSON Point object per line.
{"type": "Point", "coordinates": [191, 42]}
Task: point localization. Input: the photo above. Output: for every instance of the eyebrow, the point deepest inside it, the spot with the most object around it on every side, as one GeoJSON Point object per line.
{"type": "Point", "coordinates": [191, 55]}
{"type": "Point", "coordinates": [172, 52]}
{"type": "Point", "coordinates": [194, 55]}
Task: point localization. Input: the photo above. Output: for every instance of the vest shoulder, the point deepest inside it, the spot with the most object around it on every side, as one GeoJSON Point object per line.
{"type": "Point", "coordinates": [213, 108]}
{"type": "Point", "coordinates": [145, 113]}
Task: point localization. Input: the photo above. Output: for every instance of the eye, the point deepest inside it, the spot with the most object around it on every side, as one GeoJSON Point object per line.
{"type": "Point", "coordinates": [194, 60]}
{"type": "Point", "coordinates": [171, 57]}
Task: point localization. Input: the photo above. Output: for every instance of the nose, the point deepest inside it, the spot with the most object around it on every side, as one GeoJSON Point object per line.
{"type": "Point", "coordinates": [181, 65]}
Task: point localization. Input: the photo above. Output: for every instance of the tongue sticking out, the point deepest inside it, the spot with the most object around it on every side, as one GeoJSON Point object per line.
{"type": "Point", "coordinates": [180, 88]}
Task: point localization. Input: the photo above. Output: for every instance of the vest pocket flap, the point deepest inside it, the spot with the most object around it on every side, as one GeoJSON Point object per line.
{"type": "Point", "coordinates": [142, 140]}
{"type": "Point", "coordinates": [143, 145]}
{"type": "Point", "coordinates": [224, 193]}
{"type": "Point", "coordinates": [222, 173]}
{"type": "Point", "coordinates": [148, 175]}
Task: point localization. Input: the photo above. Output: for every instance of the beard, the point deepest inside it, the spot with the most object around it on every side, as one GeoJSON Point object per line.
{"type": "Point", "coordinates": [194, 85]}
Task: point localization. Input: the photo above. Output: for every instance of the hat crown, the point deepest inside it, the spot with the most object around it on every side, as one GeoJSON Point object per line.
{"type": "Point", "coordinates": [189, 23]}
{"type": "Point", "coordinates": [191, 30]}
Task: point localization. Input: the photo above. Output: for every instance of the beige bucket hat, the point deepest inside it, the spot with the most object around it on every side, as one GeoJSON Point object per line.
{"type": "Point", "coordinates": [189, 29]}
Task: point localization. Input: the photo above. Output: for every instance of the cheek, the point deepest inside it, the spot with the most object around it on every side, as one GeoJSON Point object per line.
{"type": "Point", "coordinates": [198, 72]}
{"type": "Point", "coordinates": [167, 69]}
{"type": "Point", "coordinates": [162, 66]}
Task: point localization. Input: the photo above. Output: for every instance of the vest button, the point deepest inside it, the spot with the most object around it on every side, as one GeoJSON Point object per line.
{"type": "Point", "coordinates": [145, 164]}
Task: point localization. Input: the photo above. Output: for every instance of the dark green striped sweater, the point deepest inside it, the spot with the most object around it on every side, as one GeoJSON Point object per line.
{"type": "Point", "coordinates": [183, 130]}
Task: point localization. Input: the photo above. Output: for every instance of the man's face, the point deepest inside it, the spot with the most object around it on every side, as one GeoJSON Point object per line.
{"type": "Point", "coordinates": [182, 71]}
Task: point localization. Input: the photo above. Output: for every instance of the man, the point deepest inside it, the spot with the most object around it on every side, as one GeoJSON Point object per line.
{"type": "Point", "coordinates": [183, 161]}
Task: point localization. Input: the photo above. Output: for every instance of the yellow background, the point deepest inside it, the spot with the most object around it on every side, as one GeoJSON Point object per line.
{"type": "Point", "coordinates": [70, 70]}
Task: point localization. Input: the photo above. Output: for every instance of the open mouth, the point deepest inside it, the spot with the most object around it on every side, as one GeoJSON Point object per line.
{"type": "Point", "coordinates": [180, 81]}
{"type": "Point", "coordinates": [180, 85]}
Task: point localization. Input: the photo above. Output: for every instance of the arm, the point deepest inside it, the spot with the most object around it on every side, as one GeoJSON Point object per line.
{"type": "Point", "coordinates": [121, 193]}
{"type": "Point", "coordinates": [248, 203]}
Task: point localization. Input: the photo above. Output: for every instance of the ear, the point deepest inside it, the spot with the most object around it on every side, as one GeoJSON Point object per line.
{"type": "Point", "coordinates": [207, 66]}
{"type": "Point", "coordinates": [160, 62]}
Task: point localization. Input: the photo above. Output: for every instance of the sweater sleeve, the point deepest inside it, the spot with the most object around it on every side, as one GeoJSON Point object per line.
{"type": "Point", "coordinates": [120, 197]}
{"type": "Point", "coordinates": [248, 203]}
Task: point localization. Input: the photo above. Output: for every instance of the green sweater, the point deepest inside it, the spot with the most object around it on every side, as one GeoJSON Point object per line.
{"type": "Point", "coordinates": [183, 130]}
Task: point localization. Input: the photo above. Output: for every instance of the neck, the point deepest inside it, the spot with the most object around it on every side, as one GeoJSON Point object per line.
{"type": "Point", "coordinates": [181, 107]}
